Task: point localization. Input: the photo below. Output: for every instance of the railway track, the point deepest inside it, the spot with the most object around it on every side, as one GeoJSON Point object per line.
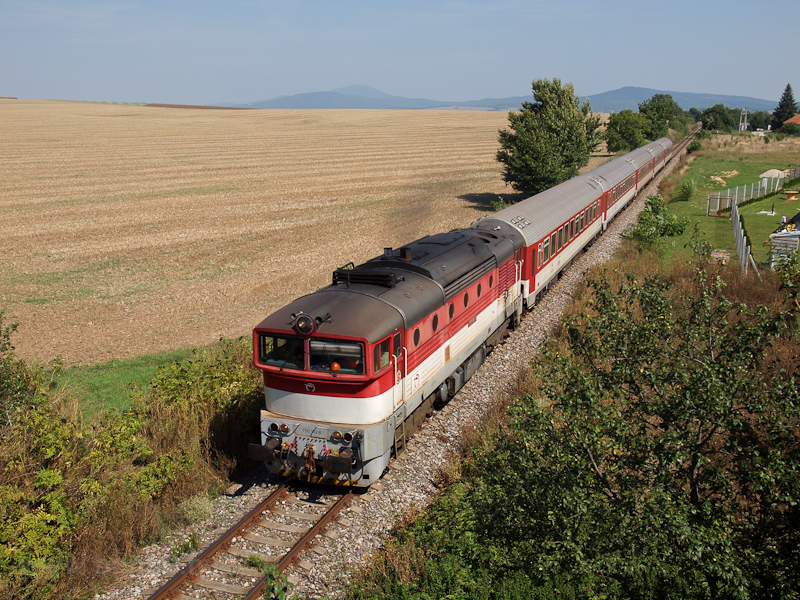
{"type": "Point", "coordinates": [265, 535]}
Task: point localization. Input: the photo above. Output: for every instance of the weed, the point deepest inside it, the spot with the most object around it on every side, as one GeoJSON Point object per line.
{"type": "Point", "coordinates": [499, 204]}
{"type": "Point", "coordinates": [190, 544]}
{"type": "Point", "coordinates": [194, 510]}
{"type": "Point", "coordinates": [278, 585]}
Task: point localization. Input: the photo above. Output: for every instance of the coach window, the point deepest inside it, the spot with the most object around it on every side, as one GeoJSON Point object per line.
{"type": "Point", "coordinates": [382, 353]}
{"type": "Point", "coordinates": [546, 250]}
{"type": "Point", "coordinates": [541, 255]}
{"type": "Point", "coordinates": [553, 244]}
{"type": "Point", "coordinates": [560, 237]}
{"type": "Point", "coordinates": [435, 323]}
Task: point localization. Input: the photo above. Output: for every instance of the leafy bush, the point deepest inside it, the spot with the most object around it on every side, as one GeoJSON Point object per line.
{"type": "Point", "coordinates": [685, 191]}
{"type": "Point", "coordinates": [75, 496]}
{"type": "Point", "coordinates": [694, 146]}
{"type": "Point", "coordinates": [499, 204]}
{"type": "Point", "coordinates": [657, 459]}
{"type": "Point", "coordinates": [18, 382]}
{"type": "Point", "coordinates": [655, 222]}
{"type": "Point", "coordinates": [792, 129]}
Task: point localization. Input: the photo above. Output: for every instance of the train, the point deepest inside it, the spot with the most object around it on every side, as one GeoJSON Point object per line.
{"type": "Point", "coordinates": [351, 370]}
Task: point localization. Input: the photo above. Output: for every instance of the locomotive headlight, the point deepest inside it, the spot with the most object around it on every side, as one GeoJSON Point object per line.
{"type": "Point", "coordinates": [304, 325]}
{"type": "Point", "coordinates": [284, 428]}
{"type": "Point", "coordinates": [348, 437]}
{"type": "Point", "coordinates": [337, 436]}
{"type": "Point", "coordinates": [273, 427]}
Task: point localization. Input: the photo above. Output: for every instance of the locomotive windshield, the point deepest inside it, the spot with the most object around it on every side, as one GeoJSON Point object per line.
{"type": "Point", "coordinates": [280, 351]}
{"type": "Point", "coordinates": [289, 352]}
{"type": "Point", "coordinates": [336, 356]}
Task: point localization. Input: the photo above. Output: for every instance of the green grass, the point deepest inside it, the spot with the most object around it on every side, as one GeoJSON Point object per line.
{"type": "Point", "coordinates": [111, 385]}
{"type": "Point", "coordinates": [718, 231]}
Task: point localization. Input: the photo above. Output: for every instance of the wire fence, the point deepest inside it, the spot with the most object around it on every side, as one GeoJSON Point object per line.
{"type": "Point", "coordinates": [723, 202]}
{"type": "Point", "coordinates": [742, 247]}
{"type": "Point", "coordinates": [741, 195]}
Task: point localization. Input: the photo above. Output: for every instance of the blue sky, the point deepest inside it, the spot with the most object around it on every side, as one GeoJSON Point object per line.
{"type": "Point", "coordinates": [240, 51]}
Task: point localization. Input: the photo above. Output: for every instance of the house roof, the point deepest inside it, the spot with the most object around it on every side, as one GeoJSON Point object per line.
{"type": "Point", "coordinates": [794, 119]}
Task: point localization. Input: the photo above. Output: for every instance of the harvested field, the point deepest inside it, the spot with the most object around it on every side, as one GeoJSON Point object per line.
{"type": "Point", "coordinates": [132, 229]}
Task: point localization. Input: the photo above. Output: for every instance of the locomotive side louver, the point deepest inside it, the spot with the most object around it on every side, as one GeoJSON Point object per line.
{"type": "Point", "coordinates": [371, 277]}
{"type": "Point", "coordinates": [462, 283]}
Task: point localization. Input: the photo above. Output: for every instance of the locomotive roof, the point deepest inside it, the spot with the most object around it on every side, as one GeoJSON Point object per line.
{"type": "Point", "coordinates": [537, 216]}
{"type": "Point", "coordinates": [401, 287]}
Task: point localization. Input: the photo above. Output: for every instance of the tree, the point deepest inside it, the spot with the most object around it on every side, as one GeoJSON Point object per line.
{"type": "Point", "coordinates": [719, 118]}
{"type": "Point", "coordinates": [626, 130]}
{"type": "Point", "coordinates": [661, 460]}
{"type": "Point", "coordinates": [659, 109]}
{"type": "Point", "coordinates": [549, 139]}
{"type": "Point", "coordinates": [759, 120]}
{"type": "Point", "coordinates": [786, 109]}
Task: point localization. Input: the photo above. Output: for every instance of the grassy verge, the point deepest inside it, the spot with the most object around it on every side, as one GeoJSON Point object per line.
{"type": "Point", "coordinates": [111, 385]}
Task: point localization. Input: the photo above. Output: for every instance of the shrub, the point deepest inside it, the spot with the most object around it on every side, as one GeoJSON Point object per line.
{"type": "Point", "coordinates": [685, 191]}
{"type": "Point", "coordinates": [655, 222]}
{"type": "Point", "coordinates": [499, 204]}
{"type": "Point", "coordinates": [75, 496]}
{"type": "Point", "coordinates": [693, 146]}
{"type": "Point", "coordinates": [792, 129]}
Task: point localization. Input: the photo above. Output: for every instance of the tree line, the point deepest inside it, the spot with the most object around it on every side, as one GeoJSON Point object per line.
{"type": "Point", "coordinates": [550, 139]}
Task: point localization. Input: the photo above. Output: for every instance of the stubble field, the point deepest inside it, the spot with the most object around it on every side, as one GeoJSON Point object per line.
{"type": "Point", "coordinates": [127, 230]}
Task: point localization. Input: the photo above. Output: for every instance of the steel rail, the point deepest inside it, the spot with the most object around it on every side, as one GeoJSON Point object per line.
{"type": "Point", "coordinates": [170, 589]}
{"type": "Point", "coordinates": [305, 541]}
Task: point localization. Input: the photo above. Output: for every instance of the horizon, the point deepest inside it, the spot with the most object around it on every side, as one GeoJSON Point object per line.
{"type": "Point", "coordinates": [247, 51]}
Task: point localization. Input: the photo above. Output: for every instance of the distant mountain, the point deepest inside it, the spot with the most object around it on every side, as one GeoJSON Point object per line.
{"type": "Point", "coordinates": [361, 96]}
{"type": "Point", "coordinates": [631, 97]}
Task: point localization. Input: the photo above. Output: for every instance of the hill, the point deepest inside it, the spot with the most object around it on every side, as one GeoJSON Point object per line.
{"type": "Point", "coordinates": [631, 97]}
{"type": "Point", "coordinates": [364, 97]}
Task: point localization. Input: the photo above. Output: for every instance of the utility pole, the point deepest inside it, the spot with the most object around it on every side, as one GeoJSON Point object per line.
{"type": "Point", "coordinates": [743, 120]}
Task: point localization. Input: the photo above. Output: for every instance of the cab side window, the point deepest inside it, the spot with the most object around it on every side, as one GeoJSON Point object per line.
{"type": "Point", "coordinates": [398, 346]}
{"type": "Point", "coordinates": [383, 352]}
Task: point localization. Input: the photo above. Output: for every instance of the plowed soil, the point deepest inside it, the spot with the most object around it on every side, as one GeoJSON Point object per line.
{"type": "Point", "coordinates": [132, 229]}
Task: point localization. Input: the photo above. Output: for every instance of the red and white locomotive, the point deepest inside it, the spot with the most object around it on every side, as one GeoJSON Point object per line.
{"type": "Point", "coordinates": [351, 369]}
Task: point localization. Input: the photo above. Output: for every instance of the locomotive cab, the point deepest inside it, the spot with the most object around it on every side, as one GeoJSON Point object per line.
{"type": "Point", "coordinates": [316, 370]}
